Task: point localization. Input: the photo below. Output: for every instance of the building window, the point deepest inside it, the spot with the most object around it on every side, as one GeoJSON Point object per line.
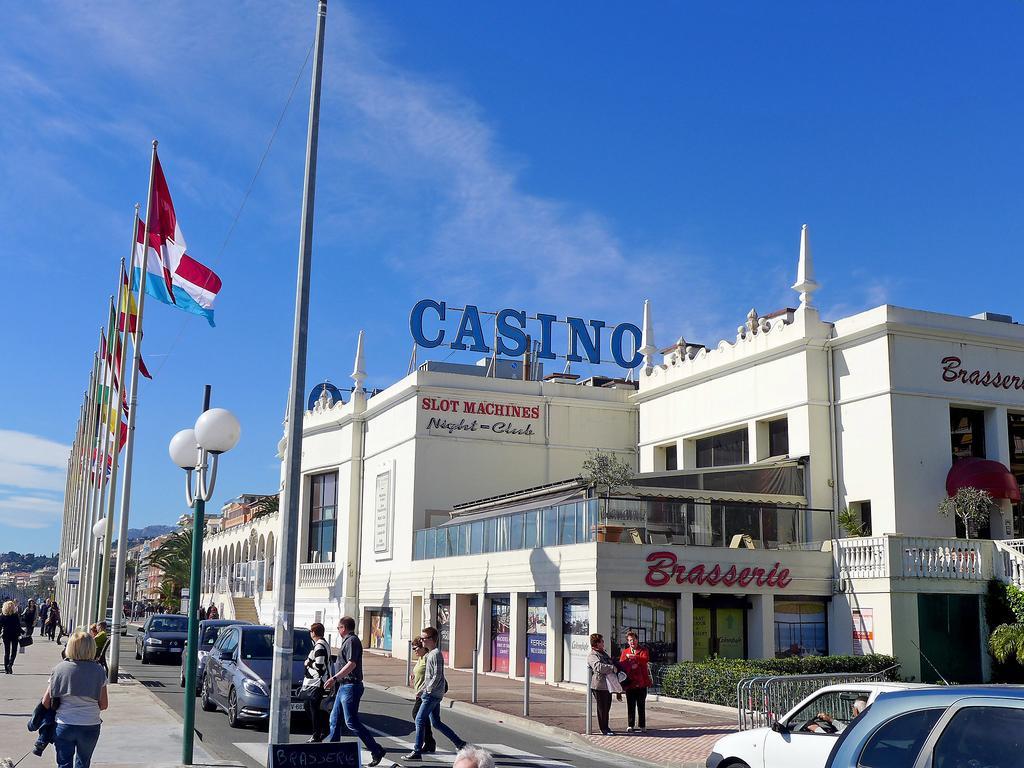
{"type": "Point", "coordinates": [778, 437]}
{"type": "Point", "coordinates": [863, 510]}
{"type": "Point", "coordinates": [801, 627]}
{"type": "Point", "coordinates": [967, 433]}
{"type": "Point", "coordinates": [726, 449]}
{"type": "Point", "coordinates": [670, 455]}
{"type": "Point", "coordinates": [654, 621]}
{"type": "Point", "coordinates": [323, 515]}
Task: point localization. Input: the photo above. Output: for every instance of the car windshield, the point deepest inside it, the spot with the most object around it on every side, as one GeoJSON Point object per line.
{"type": "Point", "coordinates": [259, 644]}
{"type": "Point", "coordinates": [209, 636]}
{"type": "Point", "coordinates": [169, 624]}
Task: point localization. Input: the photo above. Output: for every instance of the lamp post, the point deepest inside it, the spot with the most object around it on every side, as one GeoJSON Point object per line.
{"type": "Point", "coordinates": [99, 530]}
{"type": "Point", "coordinates": [216, 431]}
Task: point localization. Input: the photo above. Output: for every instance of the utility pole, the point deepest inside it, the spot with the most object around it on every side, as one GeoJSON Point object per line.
{"type": "Point", "coordinates": [287, 554]}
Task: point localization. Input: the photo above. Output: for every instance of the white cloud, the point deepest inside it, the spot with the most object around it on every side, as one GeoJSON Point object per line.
{"type": "Point", "coordinates": [30, 512]}
{"type": "Point", "coordinates": [24, 448]}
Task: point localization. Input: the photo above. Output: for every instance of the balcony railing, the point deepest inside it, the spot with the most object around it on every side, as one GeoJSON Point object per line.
{"type": "Point", "coordinates": [317, 574]}
{"type": "Point", "coordinates": [913, 557]}
{"type": "Point", "coordinates": [629, 521]}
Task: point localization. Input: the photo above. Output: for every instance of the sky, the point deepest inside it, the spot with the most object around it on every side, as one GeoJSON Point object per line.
{"type": "Point", "coordinates": [569, 158]}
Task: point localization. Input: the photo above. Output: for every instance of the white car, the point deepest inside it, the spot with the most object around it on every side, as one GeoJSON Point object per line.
{"type": "Point", "coordinates": [800, 737]}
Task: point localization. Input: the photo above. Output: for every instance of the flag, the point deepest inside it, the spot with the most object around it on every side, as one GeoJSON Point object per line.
{"type": "Point", "coordinates": [127, 309]}
{"type": "Point", "coordinates": [173, 276]}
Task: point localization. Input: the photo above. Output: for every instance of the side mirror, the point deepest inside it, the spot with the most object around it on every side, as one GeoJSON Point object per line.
{"type": "Point", "coordinates": [779, 727]}
{"type": "Point", "coordinates": [227, 655]}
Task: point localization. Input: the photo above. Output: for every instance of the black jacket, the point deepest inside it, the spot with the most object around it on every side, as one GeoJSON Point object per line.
{"type": "Point", "coordinates": [10, 627]}
{"type": "Point", "coordinates": [45, 721]}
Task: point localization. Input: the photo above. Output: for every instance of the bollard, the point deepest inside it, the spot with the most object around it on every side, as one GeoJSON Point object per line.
{"type": "Point", "coordinates": [590, 698]}
{"type": "Point", "coordinates": [526, 687]}
{"type": "Point", "coordinates": [475, 665]}
{"type": "Point", "coordinates": [408, 664]}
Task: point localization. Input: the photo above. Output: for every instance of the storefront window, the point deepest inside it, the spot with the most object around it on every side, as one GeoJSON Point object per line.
{"type": "Point", "coordinates": [719, 627]}
{"type": "Point", "coordinates": [575, 638]}
{"type": "Point", "coordinates": [323, 510]}
{"type": "Point", "coordinates": [726, 449]}
{"type": "Point", "coordinates": [654, 621]}
{"type": "Point", "coordinates": [500, 623]}
{"type": "Point", "coordinates": [537, 635]}
{"type": "Point", "coordinates": [801, 627]}
{"type": "Point", "coordinates": [443, 625]}
{"type": "Point", "coordinates": [967, 433]}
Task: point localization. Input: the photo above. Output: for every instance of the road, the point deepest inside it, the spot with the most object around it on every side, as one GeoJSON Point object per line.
{"type": "Point", "coordinates": [388, 718]}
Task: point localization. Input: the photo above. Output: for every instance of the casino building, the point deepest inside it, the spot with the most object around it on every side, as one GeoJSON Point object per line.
{"type": "Point", "coordinates": [452, 498]}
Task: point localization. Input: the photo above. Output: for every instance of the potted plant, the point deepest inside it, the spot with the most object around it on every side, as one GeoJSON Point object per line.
{"type": "Point", "coordinates": [972, 505]}
{"type": "Point", "coordinates": [606, 473]}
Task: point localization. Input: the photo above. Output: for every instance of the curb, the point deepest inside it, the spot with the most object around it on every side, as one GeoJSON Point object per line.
{"type": "Point", "coordinates": [526, 725]}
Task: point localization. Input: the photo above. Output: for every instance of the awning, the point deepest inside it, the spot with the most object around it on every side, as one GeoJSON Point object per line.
{"type": "Point", "coordinates": [985, 475]}
{"type": "Point", "coordinates": [551, 500]}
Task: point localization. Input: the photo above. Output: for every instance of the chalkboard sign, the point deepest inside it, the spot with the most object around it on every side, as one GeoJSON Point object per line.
{"type": "Point", "coordinates": [328, 755]}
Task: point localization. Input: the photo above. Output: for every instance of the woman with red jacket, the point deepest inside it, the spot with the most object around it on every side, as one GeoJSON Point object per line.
{"type": "Point", "coordinates": [635, 661]}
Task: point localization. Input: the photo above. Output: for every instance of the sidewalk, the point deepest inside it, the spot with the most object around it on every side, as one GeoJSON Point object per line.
{"type": "Point", "coordinates": [677, 734]}
{"type": "Point", "coordinates": [137, 728]}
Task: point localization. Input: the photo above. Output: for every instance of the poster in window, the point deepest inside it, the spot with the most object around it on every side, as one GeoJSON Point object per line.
{"type": "Point", "coordinates": [380, 630]}
{"type": "Point", "coordinates": [701, 633]}
{"type": "Point", "coordinates": [576, 636]}
{"type": "Point", "coordinates": [500, 621]}
{"type": "Point", "coordinates": [443, 625]}
{"type": "Point", "coordinates": [382, 513]}
{"type": "Point", "coordinates": [537, 635]}
{"type": "Point", "coordinates": [863, 631]}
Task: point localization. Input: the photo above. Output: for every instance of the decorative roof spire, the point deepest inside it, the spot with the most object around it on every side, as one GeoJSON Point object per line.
{"type": "Point", "coordinates": [805, 283]}
{"type": "Point", "coordinates": [359, 372]}
{"type": "Point", "coordinates": [648, 348]}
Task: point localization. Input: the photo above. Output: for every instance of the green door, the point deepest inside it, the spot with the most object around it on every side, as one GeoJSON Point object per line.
{"type": "Point", "coordinates": [949, 631]}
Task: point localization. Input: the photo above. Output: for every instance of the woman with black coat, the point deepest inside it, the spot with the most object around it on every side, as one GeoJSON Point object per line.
{"type": "Point", "coordinates": [10, 631]}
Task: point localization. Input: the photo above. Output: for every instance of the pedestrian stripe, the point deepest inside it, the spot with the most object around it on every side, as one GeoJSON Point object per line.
{"type": "Point", "coordinates": [504, 755]}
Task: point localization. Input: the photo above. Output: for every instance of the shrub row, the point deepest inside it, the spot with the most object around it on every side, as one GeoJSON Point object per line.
{"type": "Point", "coordinates": [714, 681]}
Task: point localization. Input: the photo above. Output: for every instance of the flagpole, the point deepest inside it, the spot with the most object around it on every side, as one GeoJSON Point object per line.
{"type": "Point", "coordinates": [62, 560]}
{"type": "Point", "coordinates": [85, 532]}
{"type": "Point", "coordinates": [129, 447]}
{"type": "Point", "coordinates": [110, 444]}
{"type": "Point", "coordinates": [99, 467]}
{"type": "Point", "coordinates": [122, 532]}
{"type": "Point", "coordinates": [73, 511]}
{"type": "Point", "coordinates": [77, 540]}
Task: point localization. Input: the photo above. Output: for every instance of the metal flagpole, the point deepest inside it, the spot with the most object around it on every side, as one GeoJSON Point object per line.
{"type": "Point", "coordinates": [109, 443]}
{"type": "Point", "coordinates": [100, 470]}
{"type": "Point", "coordinates": [97, 455]}
{"type": "Point", "coordinates": [281, 677]}
{"type": "Point", "coordinates": [129, 447]}
{"type": "Point", "coordinates": [85, 531]}
{"type": "Point", "coordinates": [122, 532]}
{"type": "Point", "coordinates": [72, 511]}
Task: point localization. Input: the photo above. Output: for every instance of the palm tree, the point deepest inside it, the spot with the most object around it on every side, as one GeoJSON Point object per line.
{"type": "Point", "coordinates": [174, 558]}
{"type": "Point", "coordinates": [1007, 642]}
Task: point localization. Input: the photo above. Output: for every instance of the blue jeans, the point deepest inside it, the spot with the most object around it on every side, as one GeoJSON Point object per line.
{"type": "Point", "coordinates": [430, 708]}
{"type": "Point", "coordinates": [347, 701]}
{"type": "Point", "coordinates": [72, 739]}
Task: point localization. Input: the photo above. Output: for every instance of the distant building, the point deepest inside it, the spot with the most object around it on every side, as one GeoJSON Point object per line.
{"type": "Point", "coordinates": [245, 508]}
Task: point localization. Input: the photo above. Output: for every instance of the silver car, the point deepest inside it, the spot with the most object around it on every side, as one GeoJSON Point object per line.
{"type": "Point", "coordinates": [238, 671]}
{"type": "Point", "coordinates": [208, 630]}
{"type": "Point", "coordinates": [959, 726]}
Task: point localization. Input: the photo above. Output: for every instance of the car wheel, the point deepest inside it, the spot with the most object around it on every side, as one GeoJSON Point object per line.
{"type": "Point", "coordinates": [233, 709]}
{"type": "Point", "coordinates": [137, 654]}
{"type": "Point", "coordinates": [145, 658]}
{"type": "Point", "coordinates": [735, 764]}
{"type": "Point", "coordinates": [205, 701]}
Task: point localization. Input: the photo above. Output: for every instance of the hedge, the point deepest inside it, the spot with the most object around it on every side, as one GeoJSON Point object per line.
{"type": "Point", "coordinates": [714, 681]}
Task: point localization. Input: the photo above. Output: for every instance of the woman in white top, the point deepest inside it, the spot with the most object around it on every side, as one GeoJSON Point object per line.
{"type": "Point", "coordinates": [78, 688]}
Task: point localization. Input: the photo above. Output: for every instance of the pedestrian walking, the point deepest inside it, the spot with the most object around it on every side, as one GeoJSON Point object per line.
{"type": "Point", "coordinates": [10, 631]}
{"type": "Point", "coordinates": [212, 612]}
{"type": "Point", "coordinates": [471, 756]}
{"type": "Point", "coordinates": [433, 690]}
{"type": "Point", "coordinates": [100, 636]}
{"type": "Point", "coordinates": [44, 611]}
{"type": "Point", "coordinates": [52, 620]}
{"type": "Point", "coordinates": [28, 617]}
{"type": "Point", "coordinates": [317, 666]}
{"type": "Point", "coordinates": [416, 681]}
{"type": "Point", "coordinates": [349, 679]}
{"type": "Point", "coordinates": [81, 687]}
{"type": "Point", "coordinates": [604, 681]}
{"type": "Point", "coordinates": [635, 661]}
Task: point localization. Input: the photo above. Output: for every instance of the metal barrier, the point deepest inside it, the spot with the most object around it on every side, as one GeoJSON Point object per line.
{"type": "Point", "coordinates": [761, 701]}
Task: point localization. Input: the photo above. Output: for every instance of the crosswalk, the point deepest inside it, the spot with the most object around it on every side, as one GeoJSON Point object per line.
{"type": "Point", "coordinates": [504, 755]}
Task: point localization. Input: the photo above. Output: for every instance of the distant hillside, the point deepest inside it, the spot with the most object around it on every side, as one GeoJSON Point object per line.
{"type": "Point", "coordinates": [15, 561]}
{"type": "Point", "coordinates": [149, 532]}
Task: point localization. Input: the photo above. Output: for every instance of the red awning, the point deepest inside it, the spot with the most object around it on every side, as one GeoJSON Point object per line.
{"type": "Point", "coordinates": [984, 474]}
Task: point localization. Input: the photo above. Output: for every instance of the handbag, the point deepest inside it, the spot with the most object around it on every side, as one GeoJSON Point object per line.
{"type": "Point", "coordinates": [25, 641]}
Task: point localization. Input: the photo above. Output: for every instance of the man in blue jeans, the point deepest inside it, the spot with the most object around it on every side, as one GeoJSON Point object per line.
{"type": "Point", "coordinates": [349, 679]}
{"type": "Point", "coordinates": [431, 693]}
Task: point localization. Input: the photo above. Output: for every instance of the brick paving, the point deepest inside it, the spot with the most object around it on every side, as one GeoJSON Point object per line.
{"type": "Point", "coordinates": [676, 734]}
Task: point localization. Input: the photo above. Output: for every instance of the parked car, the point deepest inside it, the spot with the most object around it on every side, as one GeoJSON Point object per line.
{"type": "Point", "coordinates": [238, 671]}
{"type": "Point", "coordinates": [801, 737]}
{"type": "Point", "coordinates": [110, 623]}
{"type": "Point", "coordinates": [163, 634]}
{"type": "Point", "coordinates": [957, 726]}
{"type": "Point", "coordinates": [208, 631]}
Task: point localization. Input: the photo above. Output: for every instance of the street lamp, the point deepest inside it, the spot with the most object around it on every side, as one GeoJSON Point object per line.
{"type": "Point", "coordinates": [216, 431]}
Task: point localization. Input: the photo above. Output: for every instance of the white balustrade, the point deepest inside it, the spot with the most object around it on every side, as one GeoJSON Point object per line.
{"type": "Point", "coordinates": [1009, 558]}
{"type": "Point", "coordinates": [317, 574]}
{"type": "Point", "coordinates": [935, 558]}
{"type": "Point", "coordinates": [862, 558]}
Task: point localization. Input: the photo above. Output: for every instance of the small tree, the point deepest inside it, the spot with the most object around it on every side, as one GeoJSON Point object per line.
{"type": "Point", "coordinates": [850, 522]}
{"type": "Point", "coordinates": [1007, 640]}
{"type": "Point", "coordinates": [971, 505]}
{"type": "Point", "coordinates": [606, 472]}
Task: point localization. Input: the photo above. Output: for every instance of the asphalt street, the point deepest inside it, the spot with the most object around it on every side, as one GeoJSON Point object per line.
{"type": "Point", "coordinates": [388, 718]}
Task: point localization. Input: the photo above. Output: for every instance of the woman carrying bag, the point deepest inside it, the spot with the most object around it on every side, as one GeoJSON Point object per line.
{"type": "Point", "coordinates": [10, 631]}
{"type": "Point", "coordinates": [81, 685]}
{"type": "Point", "coordinates": [604, 681]}
{"type": "Point", "coordinates": [312, 691]}
{"type": "Point", "coordinates": [635, 661]}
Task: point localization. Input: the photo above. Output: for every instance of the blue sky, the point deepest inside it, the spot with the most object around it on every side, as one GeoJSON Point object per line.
{"type": "Point", "coordinates": [569, 158]}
